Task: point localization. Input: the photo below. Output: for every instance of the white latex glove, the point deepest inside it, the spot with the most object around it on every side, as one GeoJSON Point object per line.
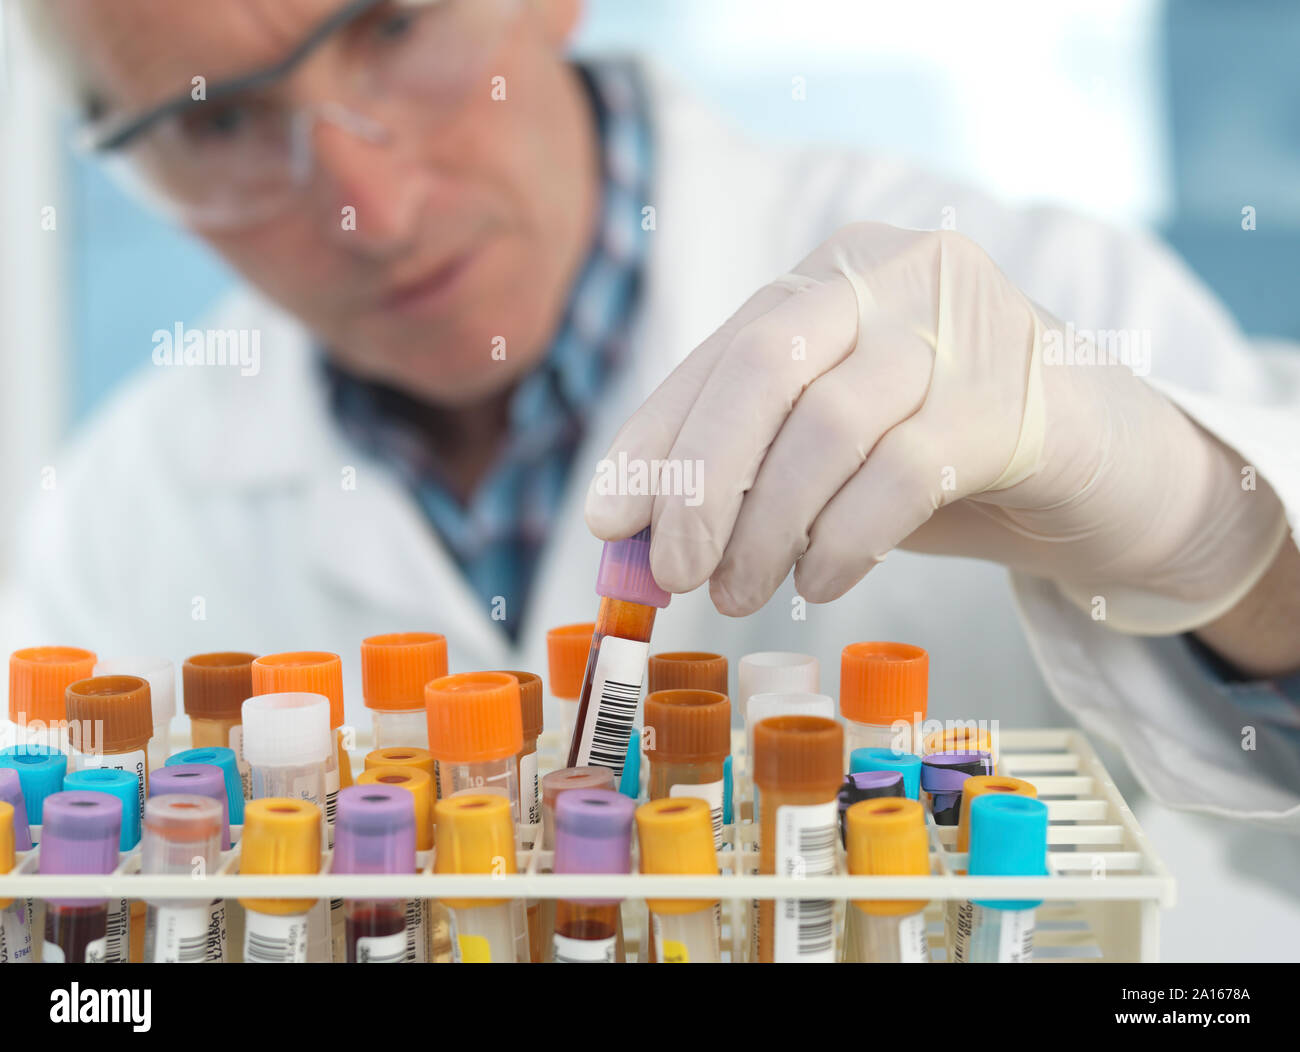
{"type": "Point", "coordinates": [897, 390]}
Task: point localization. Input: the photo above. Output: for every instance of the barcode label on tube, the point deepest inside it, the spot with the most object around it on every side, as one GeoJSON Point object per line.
{"type": "Point", "coordinates": [180, 936]}
{"type": "Point", "coordinates": [382, 949]}
{"type": "Point", "coordinates": [711, 794]}
{"type": "Point", "coordinates": [805, 847]}
{"type": "Point", "coordinates": [271, 939]}
{"type": "Point", "coordinates": [1016, 939]}
{"type": "Point", "coordinates": [415, 936]}
{"type": "Point", "coordinates": [583, 951]}
{"type": "Point", "coordinates": [115, 932]}
{"type": "Point", "coordinates": [611, 709]}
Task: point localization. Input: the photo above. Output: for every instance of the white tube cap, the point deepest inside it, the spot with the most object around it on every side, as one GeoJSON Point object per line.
{"type": "Point", "coordinates": [161, 675]}
{"type": "Point", "coordinates": [287, 730]}
{"type": "Point", "coordinates": [776, 672]}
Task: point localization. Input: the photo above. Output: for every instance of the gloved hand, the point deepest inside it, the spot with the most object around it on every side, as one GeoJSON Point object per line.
{"type": "Point", "coordinates": [896, 389]}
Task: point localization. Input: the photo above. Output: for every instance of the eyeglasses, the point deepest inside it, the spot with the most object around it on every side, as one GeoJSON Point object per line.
{"type": "Point", "coordinates": [243, 152]}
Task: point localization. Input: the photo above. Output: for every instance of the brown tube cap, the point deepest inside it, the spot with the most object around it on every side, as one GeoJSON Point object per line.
{"type": "Point", "coordinates": [799, 753]}
{"type": "Point", "coordinates": [688, 726]}
{"type": "Point", "coordinates": [113, 713]}
{"type": "Point", "coordinates": [530, 701]}
{"type": "Point", "coordinates": [687, 670]}
{"type": "Point", "coordinates": [217, 684]}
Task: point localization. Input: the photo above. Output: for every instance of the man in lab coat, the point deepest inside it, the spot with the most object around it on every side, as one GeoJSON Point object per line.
{"type": "Point", "coordinates": [470, 263]}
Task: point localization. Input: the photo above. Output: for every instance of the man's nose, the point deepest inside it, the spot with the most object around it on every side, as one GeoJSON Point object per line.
{"type": "Point", "coordinates": [370, 196]}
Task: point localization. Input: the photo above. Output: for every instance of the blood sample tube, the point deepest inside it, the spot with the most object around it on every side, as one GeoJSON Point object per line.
{"type": "Point", "coordinates": [883, 691]}
{"type": "Point", "coordinates": [475, 733]}
{"type": "Point", "coordinates": [281, 836]}
{"type": "Point", "coordinates": [616, 662]}
{"type": "Point", "coordinates": [161, 677]}
{"type": "Point", "coordinates": [110, 722]}
{"type": "Point", "coordinates": [688, 738]}
{"type": "Point", "coordinates": [15, 914]}
{"type": "Point", "coordinates": [476, 834]}
{"type": "Point", "coordinates": [567, 648]}
{"type": "Point", "coordinates": [1008, 838]}
{"type": "Point", "coordinates": [182, 836]}
{"type": "Point", "coordinates": [554, 785]}
{"type": "Point", "coordinates": [215, 688]}
{"type": "Point", "coordinates": [797, 766]}
{"type": "Point", "coordinates": [887, 837]}
{"type": "Point", "coordinates": [394, 670]}
{"type": "Point", "coordinates": [422, 926]}
{"type": "Point", "coordinates": [675, 836]}
{"type": "Point", "coordinates": [80, 835]}
{"type": "Point", "coordinates": [39, 678]}
{"type": "Point", "coordinates": [376, 834]}
{"type": "Point", "coordinates": [225, 761]}
{"type": "Point", "coordinates": [593, 834]}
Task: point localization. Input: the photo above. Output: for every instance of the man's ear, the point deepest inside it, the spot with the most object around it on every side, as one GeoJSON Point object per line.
{"type": "Point", "coordinates": [560, 18]}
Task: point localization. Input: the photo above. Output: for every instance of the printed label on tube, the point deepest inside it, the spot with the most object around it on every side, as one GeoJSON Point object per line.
{"type": "Point", "coordinates": [913, 946]}
{"type": "Point", "coordinates": [711, 794]}
{"type": "Point", "coordinates": [16, 933]}
{"type": "Point", "coordinates": [1016, 938]}
{"type": "Point", "coordinates": [273, 939]}
{"type": "Point", "coordinates": [804, 930]}
{"type": "Point", "coordinates": [611, 708]}
{"type": "Point", "coordinates": [134, 762]}
{"type": "Point", "coordinates": [236, 741]}
{"type": "Point", "coordinates": [180, 935]}
{"type": "Point", "coordinates": [382, 949]}
{"type": "Point", "coordinates": [118, 931]}
{"type": "Point", "coordinates": [583, 951]}
{"type": "Point", "coordinates": [530, 803]}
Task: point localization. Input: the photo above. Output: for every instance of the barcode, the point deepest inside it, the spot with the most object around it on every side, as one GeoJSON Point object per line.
{"type": "Point", "coordinates": [961, 939]}
{"type": "Point", "coordinates": [118, 920]}
{"type": "Point", "coordinates": [331, 804]}
{"type": "Point", "coordinates": [615, 713]}
{"type": "Point", "coordinates": [814, 917]}
{"type": "Point", "coordinates": [267, 949]}
{"type": "Point", "coordinates": [193, 950]}
{"type": "Point", "coordinates": [413, 915]}
{"type": "Point", "coordinates": [716, 814]}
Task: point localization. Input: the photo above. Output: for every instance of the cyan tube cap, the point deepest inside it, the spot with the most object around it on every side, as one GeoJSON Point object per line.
{"type": "Point", "coordinates": [904, 763]}
{"type": "Point", "coordinates": [630, 783]}
{"type": "Point", "coordinates": [125, 785]}
{"type": "Point", "coordinates": [40, 772]}
{"type": "Point", "coordinates": [1008, 838]}
{"type": "Point", "coordinates": [218, 756]}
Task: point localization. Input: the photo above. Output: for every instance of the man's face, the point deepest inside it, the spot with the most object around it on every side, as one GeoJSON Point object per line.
{"type": "Point", "coordinates": [462, 238]}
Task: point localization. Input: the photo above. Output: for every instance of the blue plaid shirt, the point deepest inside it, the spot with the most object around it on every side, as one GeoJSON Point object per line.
{"type": "Point", "coordinates": [497, 537]}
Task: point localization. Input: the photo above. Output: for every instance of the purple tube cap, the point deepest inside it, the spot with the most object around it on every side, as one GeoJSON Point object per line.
{"type": "Point", "coordinates": [624, 572]}
{"type": "Point", "coordinates": [593, 832]}
{"type": "Point", "coordinates": [945, 771]}
{"type": "Point", "coordinates": [79, 832]}
{"type": "Point", "coordinates": [197, 779]}
{"type": "Point", "coordinates": [11, 792]}
{"type": "Point", "coordinates": [374, 830]}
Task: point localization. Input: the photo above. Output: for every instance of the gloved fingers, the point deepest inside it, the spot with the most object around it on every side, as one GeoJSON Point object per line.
{"type": "Point", "coordinates": [897, 490]}
{"type": "Point", "coordinates": [828, 436]}
{"type": "Point", "coordinates": [739, 411]}
{"type": "Point", "coordinates": [612, 511]}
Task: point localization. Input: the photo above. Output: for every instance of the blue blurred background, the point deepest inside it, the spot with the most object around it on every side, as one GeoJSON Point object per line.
{"type": "Point", "coordinates": [1172, 116]}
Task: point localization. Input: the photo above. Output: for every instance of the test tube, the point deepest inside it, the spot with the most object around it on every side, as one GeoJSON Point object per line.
{"type": "Point", "coordinates": [80, 835]}
{"type": "Point", "coordinates": [38, 683]}
{"type": "Point", "coordinates": [195, 779]}
{"type": "Point", "coordinates": [402, 756]}
{"type": "Point", "coordinates": [15, 914]}
{"type": "Point", "coordinates": [593, 834]}
{"type": "Point", "coordinates": [182, 836]}
{"type": "Point", "coordinates": [124, 932]}
{"type": "Point", "coordinates": [312, 672]}
{"type": "Point", "coordinates": [958, 912]}
{"type": "Point", "coordinates": [887, 837]}
{"type": "Point", "coordinates": [476, 834]}
{"type": "Point", "coordinates": [288, 746]}
{"type": "Point", "coordinates": [281, 836]}
{"type": "Point", "coordinates": [420, 921]}
{"type": "Point", "coordinates": [110, 722]}
{"type": "Point", "coordinates": [774, 672]}
{"type": "Point", "coordinates": [376, 834]}
{"type": "Point", "coordinates": [866, 785]}
{"type": "Point", "coordinates": [161, 677]}
{"type": "Point", "coordinates": [690, 670]}
{"type": "Point", "coordinates": [394, 669]}
{"type": "Point", "coordinates": [688, 738]}
{"type": "Point", "coordinates": [566, 661]}
{"type": "Point", "coordinates": [883, 690]}
{"type": "Point", "coordinates": [942, 777]}
{"type": "Point", "coordinates": [40, 771]}
{"type": "Point", "coordinates": [787, 703]}
{"type": "Point", "coordinates": [675, 836]}
{"type": "Point", "coordinates": [554, 785]}
{"type": "Point", "coordinates": [225, 761]}
{"type": "Point", "coordinates": [798, 767]}
{"type": "Point", "coordinates": [907, 765]}
{"type": "Point", "coordinates": [215, 688]}
{"type": "Point", "coordinates": [475, 733]}
{"type": "Point", "coordinates": [1008, 838]}
{"type": "Point", "coordinates": [530, 714]}
{"type": "Point", "coordinates": [616, 663]}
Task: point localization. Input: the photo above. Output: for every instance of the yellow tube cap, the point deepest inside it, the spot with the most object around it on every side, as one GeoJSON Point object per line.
{"type": "Point", "coordinates": [7, 856]}
{"type": "Point", "coordinates": [887, 837]}
{"type": "Point", "coordinates": [281, 836]}
{"type": "Point", "coordinates": [475, 835]}
{"type": "Point", "coordinates": [676, 837]}
{"type": "Point", "coordinates": [420, 786]}
{"type": "Point", "coordinates": [978, 785]}
{"type": "Point", "coordinates": [401, 756]}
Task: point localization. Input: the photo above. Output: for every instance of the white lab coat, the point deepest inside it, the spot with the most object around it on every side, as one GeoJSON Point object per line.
{"type": "Point", "coordinates": [203, 510]}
